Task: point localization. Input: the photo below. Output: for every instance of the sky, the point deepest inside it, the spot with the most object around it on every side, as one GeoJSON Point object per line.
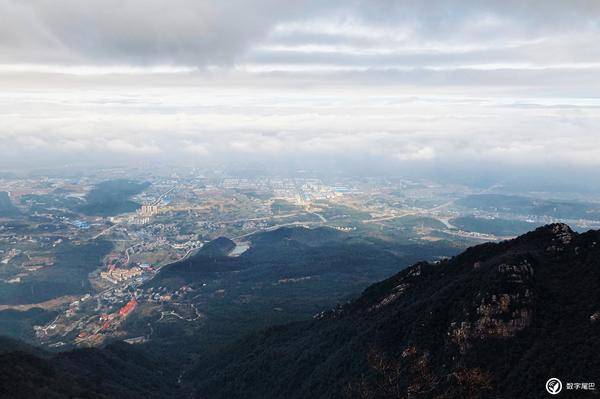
{"type": "Point", "coordinates": [407, 84]}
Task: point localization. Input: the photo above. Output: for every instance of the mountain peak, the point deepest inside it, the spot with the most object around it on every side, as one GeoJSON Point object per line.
{"type": "Point", "coordinates": [560, 231]}
{"type": "Point", "coordinates": [220, 246]}
{"type": "Point", "coordinates": [491, 316]}
{"type": "Point", "coordinates": [555, 237]}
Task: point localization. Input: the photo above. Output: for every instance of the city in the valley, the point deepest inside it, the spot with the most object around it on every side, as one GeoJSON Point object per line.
{"type": "Point", "coordinates": [79, 255]}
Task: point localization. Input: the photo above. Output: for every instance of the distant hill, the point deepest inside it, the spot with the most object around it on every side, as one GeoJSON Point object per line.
{"type": "Point", "coordinates": [67, 276]}
{"type": "Point", "coordinates": [532, 206]}
{"type": "Point", "coordinates": [499, 227]}
{"type": "Point", "coordinates": [7, 208]}
{"type": "Point", "coordinates": [111, 198]}
{"type": "Point", "coordinates": [221, 246]}
{"type": "Point", "coordinates": [309, 237]}
{"type": "Point", "coordinates": [493, 322]}
{"type": "Point", "coordinates": [57, 203]}
{"type": "Point", "coordinates": [294, 253]}
{"type": "Point", "coordinates": [286, 275]}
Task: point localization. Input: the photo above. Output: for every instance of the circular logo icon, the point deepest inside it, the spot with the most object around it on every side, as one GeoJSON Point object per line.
{"type": "Point", "coordinates": [553, 386]}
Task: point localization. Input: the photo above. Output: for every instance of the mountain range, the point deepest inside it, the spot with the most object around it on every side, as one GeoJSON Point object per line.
{"type": "Point", "coordinates": [496, 321]}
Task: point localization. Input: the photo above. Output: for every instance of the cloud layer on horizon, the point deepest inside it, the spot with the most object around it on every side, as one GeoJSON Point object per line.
{"type": "Point", "coordinates": [412, 81]}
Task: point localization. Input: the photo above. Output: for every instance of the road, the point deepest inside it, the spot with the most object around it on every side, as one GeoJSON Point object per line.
{"type": "Point", "coordinates": [411, 213]}
{"type": "Point", "coordinates": [163, 195]}
{"type": "Point", "coordinates": [186, 254]}
{"type": "Point", "coordinates": [104, 231]}
{"type": "Point", "coordinates": [317, 215]}
{"type": "Point", "coordinates": [286, 215]}
{"type": "Point", "coordinates": [127, 251]}
{"type": "Point", "coordinates": [281, 225]}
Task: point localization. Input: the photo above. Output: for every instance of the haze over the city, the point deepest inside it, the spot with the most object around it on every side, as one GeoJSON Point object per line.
{"type": "Point", "coordinates": [441, 87]}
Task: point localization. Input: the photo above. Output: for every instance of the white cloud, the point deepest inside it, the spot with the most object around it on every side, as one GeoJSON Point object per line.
{"type": "Point", "coordinates": [409, 81]}
{"type": "Point", "coordinates": [123, 146]}
{"type": "Point", "coordinates": [419, 154]}
{"type": "Point", "coordinates": [196, 149]}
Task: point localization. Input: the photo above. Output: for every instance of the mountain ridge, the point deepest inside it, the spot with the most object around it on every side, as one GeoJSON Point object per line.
{"type": "Point", "coordinates": [495, 321]}
{"type": "Point", "coordinates": [489, 322]}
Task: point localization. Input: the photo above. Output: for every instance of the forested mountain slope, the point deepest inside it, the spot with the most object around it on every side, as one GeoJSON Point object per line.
{"type": "Point", "coordinates": [495, 321]}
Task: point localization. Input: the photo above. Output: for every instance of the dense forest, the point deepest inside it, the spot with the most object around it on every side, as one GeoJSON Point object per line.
{"type": "Point", "coordinates": [117, 371]}
{"type": "Point", "coordinates": [496, 321]}
{"type": "Point", "coordinates": [111, 198]}
{"type": "Point", "coordinates": [286, 275]}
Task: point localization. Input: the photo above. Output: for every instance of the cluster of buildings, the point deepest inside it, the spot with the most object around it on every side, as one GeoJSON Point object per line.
{"type": "Point", "coordinates": [148, 210]}
{"type": "Point", "coordinates": [117, 275]}
{"type": "Point", "coordinates": [93, 333]}
{"type": "Point", "coordinates": [81, 224]}
{"type": "Point", "coordinates": [128, 308]}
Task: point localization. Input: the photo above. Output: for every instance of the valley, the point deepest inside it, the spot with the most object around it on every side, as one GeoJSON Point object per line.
{"type": "Point", "coordinates": [186, 267]}
{"type": "Point", "coordinates": [97, 276]}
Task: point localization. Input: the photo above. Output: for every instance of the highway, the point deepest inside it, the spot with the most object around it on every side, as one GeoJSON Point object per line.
{"type": "Point", "coordinates": [271, 228]}
{"type": "Point", "coordinates": [411, 213]}
{"type": "Point", "coordinates": [163, 195]}
{"type": "Point", "coordinates": [104, 231]}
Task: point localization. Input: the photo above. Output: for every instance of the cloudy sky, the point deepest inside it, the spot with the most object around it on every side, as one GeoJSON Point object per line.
{"type": "Point", "coordinates": [412, 82]}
